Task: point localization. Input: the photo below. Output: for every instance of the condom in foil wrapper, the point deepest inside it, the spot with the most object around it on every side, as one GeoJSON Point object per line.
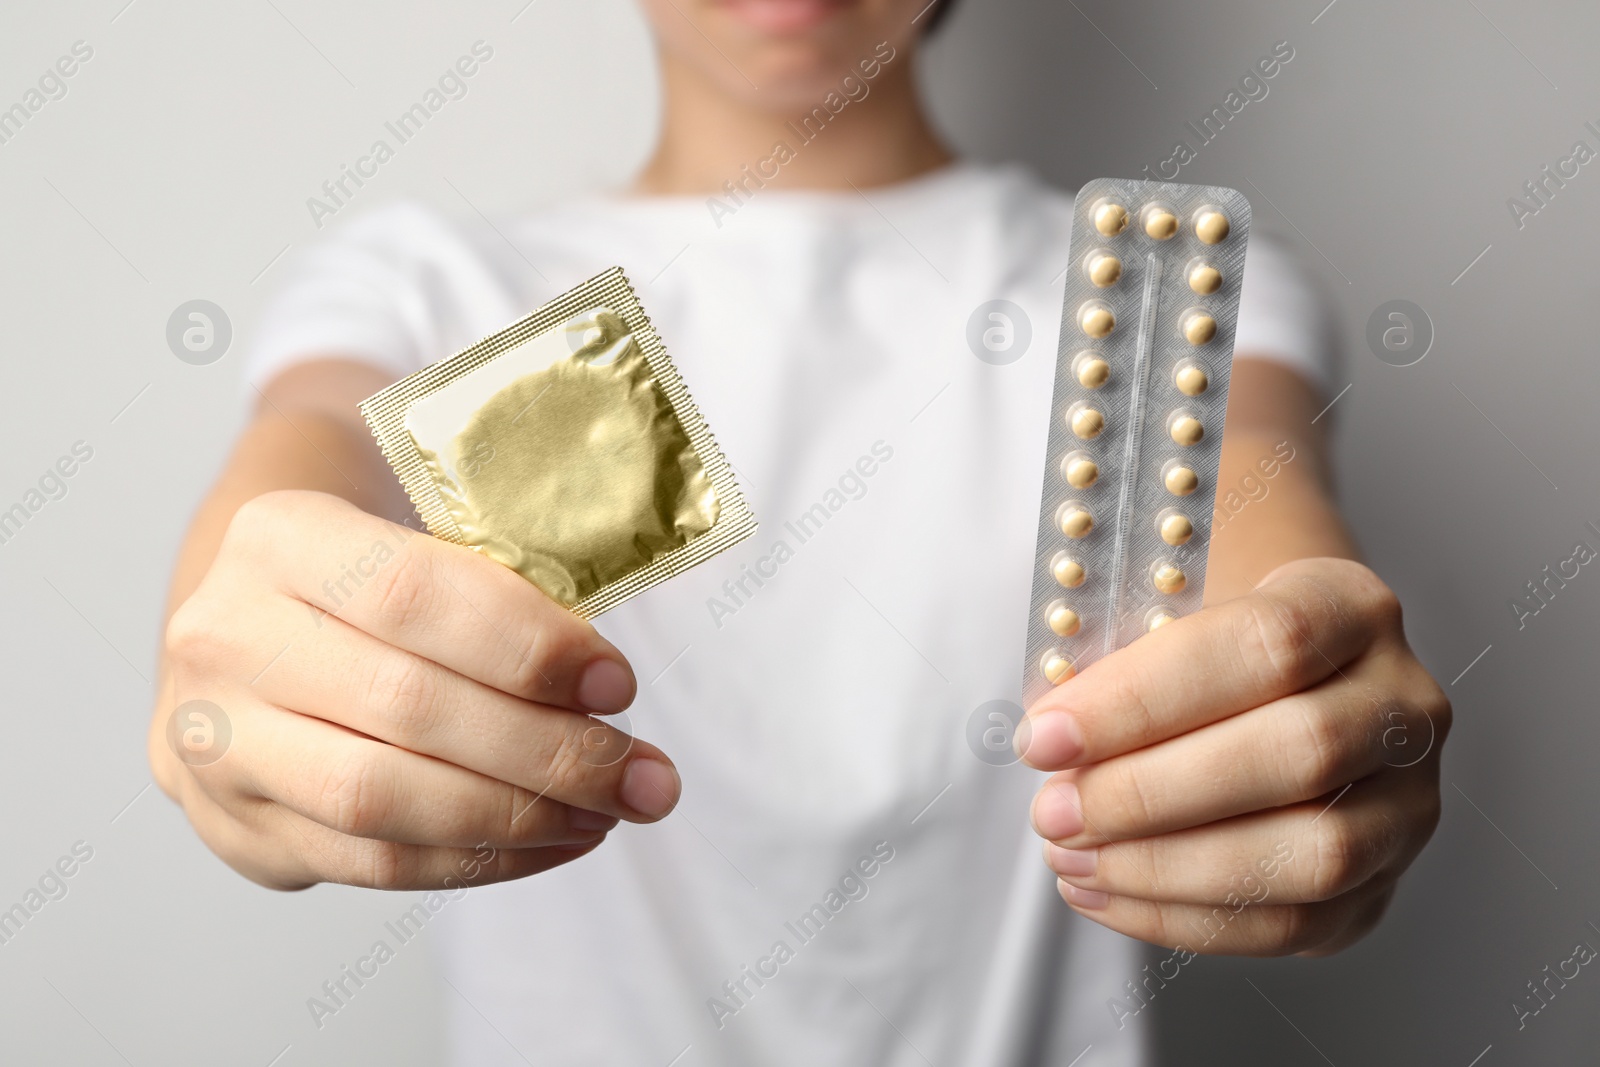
{"type": "Point", "coordinates": [567, 448]}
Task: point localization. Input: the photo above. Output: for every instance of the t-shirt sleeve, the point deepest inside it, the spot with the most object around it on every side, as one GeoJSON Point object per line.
{"type": "Point", "coordinates": [1283, 314]}
{"type": "Point", "coordinates": [397, 287]}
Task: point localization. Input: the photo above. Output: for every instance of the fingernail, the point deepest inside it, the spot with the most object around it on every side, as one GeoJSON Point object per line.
{"type": "Point", "coordinates": [606, 686]}
{"type": "Point", "coordinates": [1056, 811]}
{"type": "Point", "coordinates": [586, 822]}
{"type": "Point", "coordinates": [1091, 899]}
{"type": "Point", "coordinates": [650, 787]}
{"type": "Point", "coordinates": [1071, 862]}
{"type": "Point", "coordinates": [1049, 739]}
{"type": "Point", "coordinates": [1023, 737]}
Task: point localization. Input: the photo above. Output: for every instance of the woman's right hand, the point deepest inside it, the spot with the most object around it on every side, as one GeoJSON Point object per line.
{"type": "Point", "coordinates": [398, 712]}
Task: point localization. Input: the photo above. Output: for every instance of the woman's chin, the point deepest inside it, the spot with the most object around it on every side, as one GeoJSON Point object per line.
{"type": "Point", "coordinates": [790, 76]}
{"type": "Point", "coordinates": [779, 55]}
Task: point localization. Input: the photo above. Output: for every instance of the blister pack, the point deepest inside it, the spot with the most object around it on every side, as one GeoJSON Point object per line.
{"type": "Point", "coordinates": [1141, 393]}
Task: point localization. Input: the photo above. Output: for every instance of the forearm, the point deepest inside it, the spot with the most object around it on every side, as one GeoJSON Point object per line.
{"type": "Point", "coordinates": [1274, 495]}
{"type": "Point", "coordinates": [300, 451]}
{"type": "Point", "coordinates": [306, 434]}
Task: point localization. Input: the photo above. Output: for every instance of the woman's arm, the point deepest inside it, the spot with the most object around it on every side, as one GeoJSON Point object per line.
{"type": "Point", "coordinates": [1271, 510]}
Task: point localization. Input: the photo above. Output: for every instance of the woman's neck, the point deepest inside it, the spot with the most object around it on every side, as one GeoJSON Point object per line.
{"type": "Point", "coordinates": [708, 137]}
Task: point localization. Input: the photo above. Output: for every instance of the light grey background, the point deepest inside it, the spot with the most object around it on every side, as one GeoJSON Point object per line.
{"type": "Point", "coordinates": [177, 168]}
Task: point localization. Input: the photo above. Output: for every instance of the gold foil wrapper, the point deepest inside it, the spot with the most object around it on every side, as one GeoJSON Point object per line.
{"type": "Point", "coordinates": [566, 448]}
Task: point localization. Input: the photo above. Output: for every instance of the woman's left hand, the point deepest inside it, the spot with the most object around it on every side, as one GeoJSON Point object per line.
{"type": "Point", "coordinates": [1250, 780]}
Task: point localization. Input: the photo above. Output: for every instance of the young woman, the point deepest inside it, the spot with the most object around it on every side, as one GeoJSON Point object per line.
{"type": "Point", "coordinates": [845, 882]}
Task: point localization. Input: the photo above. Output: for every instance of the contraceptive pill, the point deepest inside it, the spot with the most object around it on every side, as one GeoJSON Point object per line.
{"type": "Point", "coordinates": [1211, 225]}
{"type": "Point", "coordinates": [1087, 423]}
{"type": "Point", "coordinates": [1091, 371]}
{"type": "Point", "coordinates": [1064, 622]}
{"type": "Point", "coordinates": [1175, 528]}
{"type": "Point", "coordinates": [1168, 578]}
{"type": "Point", "coordinates": [1080, 471]}
{"type": "Point", "coordinates": [1104, 269]}
{"type": "Point", "coordinates": [1057, 669]}
{"type": "Point", "coordinates": [1097, 320]}
{"type": "Point", "coordinates": [1110, 218]}
{"type": "Point", "coordinates": [1160, 223]}
{"type": "Point", "coordinates": [1181, 480]}
{"type": "Point", "coordinates": [1186, 429]}
{"type": "Point", "coordinates": [1076, 522]}
{"type": "Point", "coordinates": [1190, 378]}
{"type": "Point", "coordinates": [1198, 327]}
{"type": "Point", "coordinates": [1067, 571]}
{"type": "Point", "coordinates": [1204, 279]}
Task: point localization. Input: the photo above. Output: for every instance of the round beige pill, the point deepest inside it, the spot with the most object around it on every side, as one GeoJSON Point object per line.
{"type": "Point", "coordinates": [1160, 619]}
{"type": "Point", "coordinates": [1190, 380]}
{"type": "Point", "coordinates": [1176, 530]}
{"type": "Point", "coordinates": [1082, 473]}
{"type": "Point", "coordinates": [1211, 227]}
{"type": "Point", "coordinates": [1058, 668]}
{"type": "Point", "coordinates": [1077, 523]}
{"type": "Point", "coordinates": [1110, 219]}
{"type": "Point", "coordinates": [1205, 279]}
{"type": "Point", "coordinates": [1199, 328]}
{"type": "Point", "coordinates": [1064, 622]}
{"type": "Point", "coordinates": [1088, 423]}
{"type": "Point", "coordinates": [1181, 481]}
{"type": "Point", "coordinates": [1093, 372]}
{"type": "Point", "coordinates": [1097, 321]}
{"type": "Point", "coordinates": [1105, 269]}
{"type": "Point", "coordinates": [1161, 224]}
{"type": "Point", "coordinates": [1186, 430]}
{"type": "Point", "coordinates": [1068, 572]}
{"type": "Point", "coordinates": [1167, 578]}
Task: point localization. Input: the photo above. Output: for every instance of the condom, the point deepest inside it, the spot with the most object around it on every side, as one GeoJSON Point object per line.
{"type": "Point", "coordinates": [566, 448]}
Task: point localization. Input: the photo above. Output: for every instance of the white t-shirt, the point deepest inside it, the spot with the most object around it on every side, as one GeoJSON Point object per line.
{"type": "Point", "coordinates": [818, 711]}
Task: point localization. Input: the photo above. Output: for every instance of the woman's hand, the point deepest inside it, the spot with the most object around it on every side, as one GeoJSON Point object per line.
{"type": "Point", "coordinates": [404, 713]}
{"type": "Point", "coordinates": [1249, 780]}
